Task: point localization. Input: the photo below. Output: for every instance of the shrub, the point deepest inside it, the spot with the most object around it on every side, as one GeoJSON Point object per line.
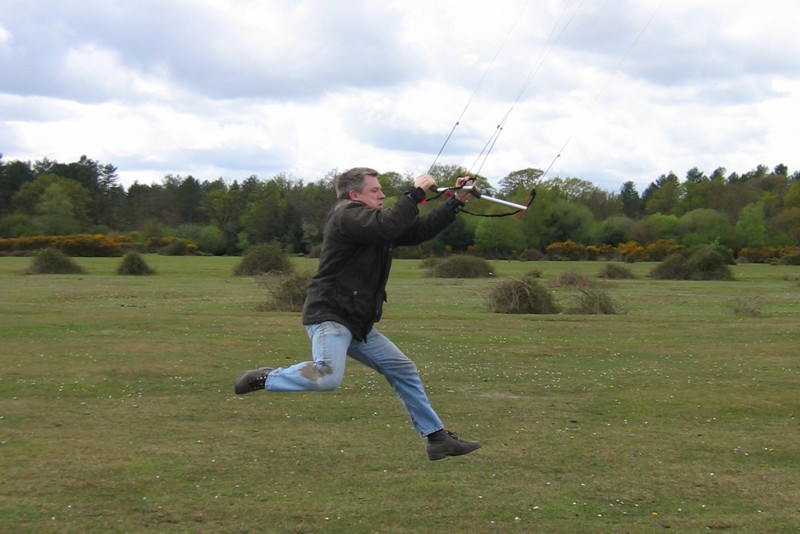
{"type": "Point", "coordinates": [631, 251]}
{"type": "Point", "coordinates": [659, 250]}
{"type": "Point", "coordinates": [703, 263]}
{"type": "Point", "coordinates": [286, 292]}
{"type": "Point", "coordinates": [17, 225]}
{"type": "Point", "coordinates": [430, 263]}
{"type": "Point", "coordinates": [133, 247]}
{"type": "Point", "coordinates": [594, 252]}
{"type": "Point", "coordinates": [523, 295]}
{"type": "Point", "coordinates": [566, 249]}
{"type": "Point", "coordinates": [768, 254]}
{"type": "Point", "coordinates": [72, 245]}
{"type": "Point", "coordinates": [53, 261]}
{"type": "Point", "coordinates": [212, 239]}
{"type": "Point", "coordinates": [175, 247]}
{"type": "Point", "coordinates": [597, 301]}
{"type": "Point", "coordinates": [791, 260]}
{"type": "Point", "coordinates": [708, 263]}
{"type": "Point", "coordinates": [170, 245]}
{"type": "Point", "coordinates": [672, 268]}
{"type": "Point", "coordinates": [133, 264]}
{"type": "Point", "coordinates": [532, 254]}
{"type": "Point", "coordinates": [613, 271]}
{"type": "Point", "coordinates": [462, 266]}
{"type": "Point", "coordinates": [262, 259]}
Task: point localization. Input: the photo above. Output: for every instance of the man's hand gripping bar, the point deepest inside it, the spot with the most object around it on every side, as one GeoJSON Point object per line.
{"type": "Point", "coordinates": [475, 192]}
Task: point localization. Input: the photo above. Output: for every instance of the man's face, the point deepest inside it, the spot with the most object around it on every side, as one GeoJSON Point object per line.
{"type": "Point", "coordinates": [371, 194]}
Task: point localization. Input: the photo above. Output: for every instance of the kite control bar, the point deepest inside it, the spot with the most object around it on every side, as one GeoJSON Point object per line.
{"type": "Point", "coordinates": [474, 191]}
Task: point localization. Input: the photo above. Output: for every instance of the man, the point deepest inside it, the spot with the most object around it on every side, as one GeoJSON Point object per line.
{"type": "Point", "coordinates": [345, 300]}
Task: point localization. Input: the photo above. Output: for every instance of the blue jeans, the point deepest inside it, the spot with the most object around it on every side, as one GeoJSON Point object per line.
{"type": "Point", "coordinates": [331, 343]}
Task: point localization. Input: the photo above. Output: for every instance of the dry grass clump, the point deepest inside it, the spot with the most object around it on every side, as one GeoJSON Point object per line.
{"type": "Point", "coordinates": [53, 261]}
{"type": "Point", "coordinates": [746, 307]}
{"type": "Point", "coordinates": [286, 292]}
{"type": "Point", "coordinates": [613, 271]}
{"type": "Point", "coordinates": [133, 264]}
{"type": "Point", "coordinates": [462, 266]}
{"type": "Point", "coordinates": [597, 302]}
{"type": "Point", "coordinates": [522, 295]}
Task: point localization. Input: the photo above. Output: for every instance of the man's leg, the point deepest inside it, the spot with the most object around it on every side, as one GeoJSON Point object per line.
{"type": "Point", "coordinates": [379, 353]}
{"type": "Point", "coordinates": [382, 355]}
{"type": "Point", "coordinates": [329, 343]}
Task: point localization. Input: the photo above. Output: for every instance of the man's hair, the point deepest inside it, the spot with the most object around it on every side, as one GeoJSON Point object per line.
{"type": "Point", "coordinates": [352, 180]}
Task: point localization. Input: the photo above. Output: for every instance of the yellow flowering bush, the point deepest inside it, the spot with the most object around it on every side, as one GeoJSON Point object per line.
{"type": "Point", "coordinates": [566, 249]}
{"type": "Point", "coordinates": [73, 245]}
{"type": "Point", "coordinates": [631, 249]}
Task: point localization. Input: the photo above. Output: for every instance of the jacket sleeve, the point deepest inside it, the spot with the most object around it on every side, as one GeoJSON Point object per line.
{"type": "Point", "coordinates": [429, 226]}
{"type": "Point", "coordinates": [369, 226]}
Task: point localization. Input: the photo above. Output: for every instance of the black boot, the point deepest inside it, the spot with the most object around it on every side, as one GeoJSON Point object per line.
{"type": "Point", "coordinates": [252, 380]}
{"type": "Point", "coordinates": [444, 443]}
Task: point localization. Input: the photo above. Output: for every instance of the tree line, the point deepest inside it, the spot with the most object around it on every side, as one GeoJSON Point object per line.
{"type": "Point", "coordinates": [758, 208]}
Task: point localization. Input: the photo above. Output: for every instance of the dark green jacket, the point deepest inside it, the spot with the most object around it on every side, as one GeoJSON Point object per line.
{"type": "Point", "coordinates": [350, 285]}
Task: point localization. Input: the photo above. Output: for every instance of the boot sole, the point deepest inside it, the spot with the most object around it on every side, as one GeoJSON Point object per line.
{"type": "Point", "coordinates": [445, 454]}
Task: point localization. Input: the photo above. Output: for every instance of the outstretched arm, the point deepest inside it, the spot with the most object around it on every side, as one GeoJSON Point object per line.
{"type": "Point", "coordinates": [429, 226]}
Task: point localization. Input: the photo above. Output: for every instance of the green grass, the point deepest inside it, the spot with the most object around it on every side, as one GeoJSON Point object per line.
{"type": "Point", "coordinates": [117, 412]}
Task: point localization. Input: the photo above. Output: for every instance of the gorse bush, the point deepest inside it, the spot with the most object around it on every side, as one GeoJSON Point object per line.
{"type": "Point", "coordinates": [261, 259]}
{"type": "Point", "coordinates": [568, 250]}
{"type": "Point", "coordinates": [703, 263]}
{"type": "Point", "coordinates": [53, 261]}
{"type": "Point", "coordinates": [286, 292]}
{"type": "Point", "coordinates": [133, 264]}
{"type": "Point", "coordinates": [521, 295]}
{"type": "Point", "coordinates": [767, 254]}
{"type": "Point", "coordinates": [85, 245]}
{"type": "Point", "coordinates": [462, 266]}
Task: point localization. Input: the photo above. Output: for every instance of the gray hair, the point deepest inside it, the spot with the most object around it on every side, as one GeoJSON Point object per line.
{"type": "Point", "coordinates": [352, 180]}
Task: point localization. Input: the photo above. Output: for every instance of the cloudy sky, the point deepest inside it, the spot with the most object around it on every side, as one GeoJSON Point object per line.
{"type": "Point", "coordinates": [607, 91]}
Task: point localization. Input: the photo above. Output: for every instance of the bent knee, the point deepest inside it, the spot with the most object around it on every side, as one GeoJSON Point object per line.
{"type": "Point", "coordinates": [322, 376]}
{"type": "Point", "coordinates": [329, 383]}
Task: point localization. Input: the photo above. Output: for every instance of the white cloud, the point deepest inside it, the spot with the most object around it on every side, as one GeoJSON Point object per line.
{"type": "Point", "coordinates": [5, 36]}
{"type": "Point", "coordinates": [233, 88]}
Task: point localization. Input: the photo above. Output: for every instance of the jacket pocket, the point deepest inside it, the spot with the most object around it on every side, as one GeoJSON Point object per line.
{"type": "Point", "coordinates": [355, 303]}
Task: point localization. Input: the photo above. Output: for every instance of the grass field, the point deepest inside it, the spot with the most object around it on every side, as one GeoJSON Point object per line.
{"type": "Point", "coordinates": [117, 411]}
